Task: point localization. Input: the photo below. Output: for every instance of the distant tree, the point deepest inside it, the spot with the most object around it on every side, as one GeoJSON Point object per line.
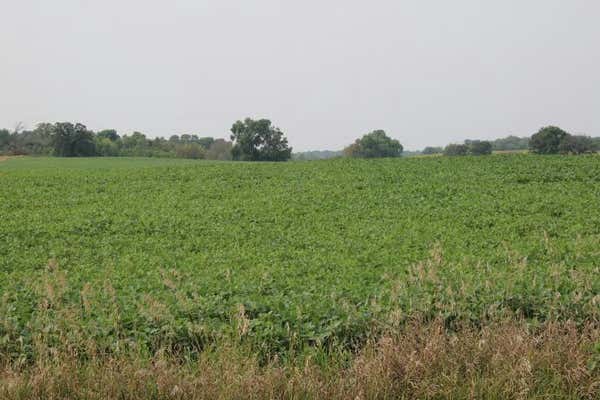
{"type": "Point", "coordinates": [135, 144]}
{"type": "Point", "coordinates": [575, 144]}
{"type": "Point", "coordinates": [174, 138]}
{"type": "Point", "coordinates": [109, 134]}
{"type": "Point", "coordinates": [374, 145]}
{"type": "Point", "coordinates": [190, 150]}
{"type": "Point", "coordinates": [456, 150]}
{"type": "Point", "coordinates": [510, 143]}
{"type": "Point", "coordinates": [4, 139]}
{"type": "Point", "coordinates": [205, 142]}
{"type": "Point", "coordinates": [432, 150]}
{"type": "Point", "coordinates": [352, 150]}
{"type": "Point", "coordinates": [258, 140]}
{"type": "Point", "coordinates": [596, 143]}
{"type": "Point", "coordinates": [480, 147]}
{"type": "Point", "coordinates": [220, 149]}
{"type": "Point", "coordinates": [106, 147]}
{"type": "Point", "coordinates": [24, 142]}
{"type": "Point", "coordinates": [72, 140]}
{"type": "Point", "coordinates": [547, 140]}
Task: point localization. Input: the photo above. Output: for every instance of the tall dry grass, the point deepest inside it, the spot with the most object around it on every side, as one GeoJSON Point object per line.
{"type": "Point", "coordinates": [506, 360]}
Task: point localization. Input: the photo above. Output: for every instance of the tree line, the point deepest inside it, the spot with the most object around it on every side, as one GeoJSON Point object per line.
{"type": "Point", "coordinates": [250, 140]}
{"type": "Point", "coordinates": [548, 140]}
{"type": "Point", "coordinates": [66, 139]}
{"type": "Point", "coordinates": [259, 140]}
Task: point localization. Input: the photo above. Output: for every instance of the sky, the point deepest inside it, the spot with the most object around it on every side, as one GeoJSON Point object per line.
{"type": "Point", "coordinates": [326, 72]}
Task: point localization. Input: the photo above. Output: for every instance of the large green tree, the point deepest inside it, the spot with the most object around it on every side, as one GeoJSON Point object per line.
{"type": "Point", "coordinates": [373, 145]}
{"type": "Point", "coordinates": [72, 140]}
{"type": "Point", "coordinates": [258, 140]}
{"type": "Point", "coordinates": [547, 140]}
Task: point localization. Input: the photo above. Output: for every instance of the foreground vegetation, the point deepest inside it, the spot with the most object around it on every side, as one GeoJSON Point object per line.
{"type": "Point", "coordinates": [377, 278]}
{"type": "Point", "coordinates": [506, 360]}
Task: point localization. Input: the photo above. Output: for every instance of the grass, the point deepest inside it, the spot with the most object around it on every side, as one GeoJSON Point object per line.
{"type": "Point", "coordinates": [302, 273]}
{"type": "Point", "coordinates": [506, 360]}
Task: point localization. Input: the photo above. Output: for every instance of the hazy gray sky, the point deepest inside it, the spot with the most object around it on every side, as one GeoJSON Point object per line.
{"type": "Point", "coordinates": [428, 72]}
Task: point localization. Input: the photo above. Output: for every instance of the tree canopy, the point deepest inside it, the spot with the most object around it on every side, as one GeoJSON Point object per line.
{"type": "Point", "coordinates": [456, 150]}
{"type": "Point", "coordinates": [432, 150]}
{"type": "Point", "coordinates": [576, 144]}
{"type": "Point", "coordinates": [510, 143]}
{"type": "Point", "coordinates": [375, 144]}
{"type": "Point", "coordinates": [72, 140]}
{"type": "Point", "coordinates": [258, 140]}
{"type": "Point", "coordinates": [547, 140]}
{"type": "Point", "coordinates": [109, 134]}
{"type": "Point", "coordinates": [479, 147]}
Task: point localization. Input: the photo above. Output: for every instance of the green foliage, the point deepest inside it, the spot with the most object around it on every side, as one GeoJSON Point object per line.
{"type": "Point", "coordinates": [4, 138]}
{"type": "Point", "coordinates": [24, 142]}
{"type": "Point", "coordinates": [258, 140]}
{"type": "Point", "coordinates": [72, 140]}
{"type": "Point", "coordinates": [106, 147]}
{"type": "Point", "coordinates": [190, 150]}
{"type": "Point", "coordinates": [547, 140]}
{"type": "Point", "coordinates": [510, 143]}
{"type": "Point", "coordinates": [109, 134]}
{"type": "Point", "coordinates": [456, 150]}
{"type": "Point", "coordinates": [374, 145]}
{"type": "Point", "coordinates": [206, 142]}
{"type": "Point", "coordinates": [181, 253]}
{"type": "Point", "coordinates": [479, 147]}
{"type": "Point", "coordinates": [574, 144]}
{"type": "Point", "coordinates": [432, 150]}
{"type": "Point", "coordinates": [220, 149]}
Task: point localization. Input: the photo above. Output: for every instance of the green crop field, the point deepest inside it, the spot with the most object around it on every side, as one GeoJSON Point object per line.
{"type": "Point", "coordinates": [179, 253]}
